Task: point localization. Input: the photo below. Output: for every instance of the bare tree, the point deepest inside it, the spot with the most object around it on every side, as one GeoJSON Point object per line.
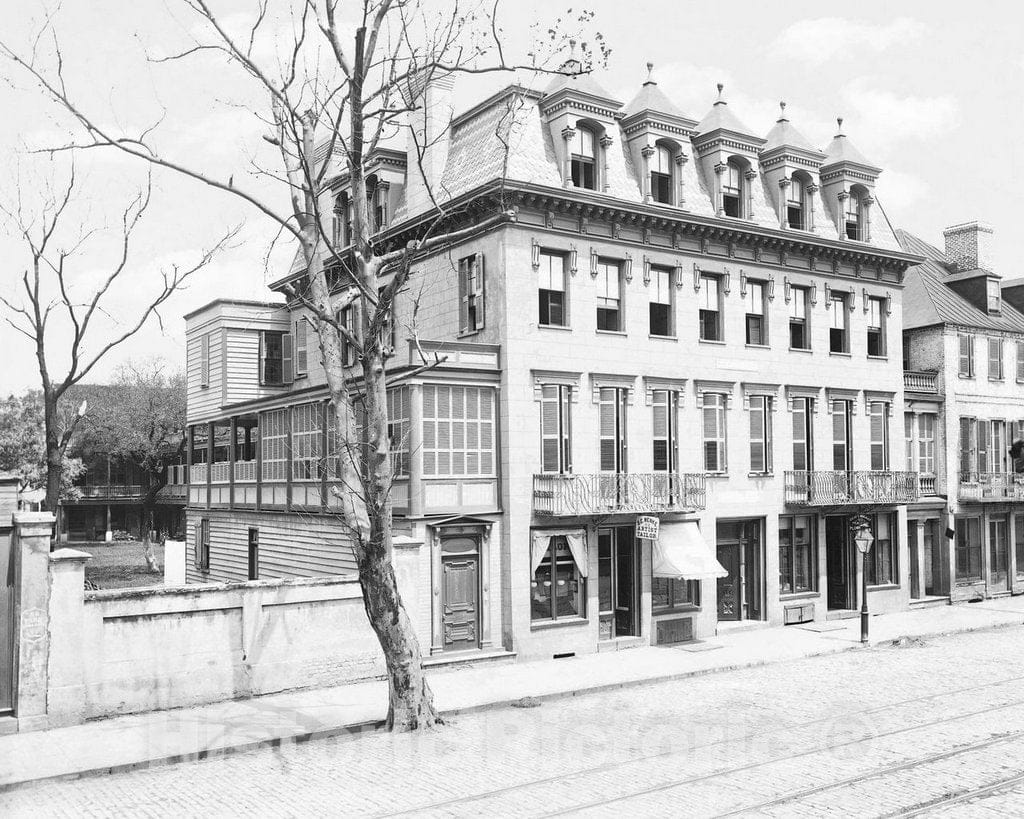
{"type": "Point", "coordinates": [349, 78]}
{"type": "Point", "coordinates": [52, 291]}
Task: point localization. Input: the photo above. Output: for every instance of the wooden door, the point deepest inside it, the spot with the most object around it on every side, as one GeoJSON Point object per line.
{"type": "Point", "coordinates": [460, 604]}
{"type": "Point", "coordinates": [753, 577]}
{"type": "Point", "coordinates": [729, 586]}
{"type": "Point", "coordinates": [837, 559]}
{"type": "Point", "coordinates": [999, 555]}
{"type": "Point", "coordinates": [7, 588]}
{"type": "Point", "coordinates": [626, 591]}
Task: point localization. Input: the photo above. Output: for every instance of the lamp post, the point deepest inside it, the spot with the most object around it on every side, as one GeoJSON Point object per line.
{"type": "Point", "coordinates": [861, 526]}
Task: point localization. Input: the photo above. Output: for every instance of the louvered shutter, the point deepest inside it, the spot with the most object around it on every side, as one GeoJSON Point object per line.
{"type": "Point", "coordinates": [607, 421]}
{"type": "Point", "coordinates": [263, 356]}
{"type": "Point", "coordinates": [204, 360]}
{"type": "Point", "coordinates": [549, 437]}
{"type": "Point", "coordinates": [479, 294]}
{"type": "Point", "coordinates": [286, 358]}
{"type": "Point", "coordinates": [301, 339]}
{"type": "Point", "coordinates": [463, 297]}
{"type": "Point", "coordinates": [983, 433]}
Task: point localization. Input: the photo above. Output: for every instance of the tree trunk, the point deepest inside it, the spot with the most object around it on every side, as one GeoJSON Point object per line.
{"type": "Point", "coordinates": [156, 482]}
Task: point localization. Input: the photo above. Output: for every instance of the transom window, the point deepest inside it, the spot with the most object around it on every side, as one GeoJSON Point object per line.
{"type": "Point", "coordinates": [661, 288]}
{"type": "Point", "coordinates": [799, 332]}
{"type": "Point", "coordinates": [551, 290]}
{"type": "Point", "coordinates": [583, 159]}
{"type": "Point", "coordinates": [710, 302]}
{"type": "Point", "coordinates": [661, 175]}
{"type": "Point", "coordinates": [609, 296]}
{"type": "Point", "coordinates": [757, 331]}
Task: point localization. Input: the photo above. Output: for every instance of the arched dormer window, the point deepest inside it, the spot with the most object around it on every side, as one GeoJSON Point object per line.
{"type": "Point", "coordinates": [732, 189]}
{"type": "Point", "coordinates": [855, 214]}
{"type": "Point", "coordinates": [341, 228]}
{"type": "Point", "coordinates": [796, 202]}
{"type": "Point", "coordinates": [583, 157]}
{"type": "Point", "coordinates": [661, 174]}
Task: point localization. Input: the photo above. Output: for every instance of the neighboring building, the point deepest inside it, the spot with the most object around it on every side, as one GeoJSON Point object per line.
{"type": "Point", "coordinates": [964, 330]}
{"type": "Point", "coordinates": [685, 319]}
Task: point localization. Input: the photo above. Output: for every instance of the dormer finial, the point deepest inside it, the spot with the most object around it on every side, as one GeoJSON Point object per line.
{"type": "Point", "coordinates": [650, 74]}
{"type": "Point", "coordinates": [782, 112]}
{"type": "Point", "coordinates": [720, 89]}
{"type": "Point", "coordinates": [839, 122]}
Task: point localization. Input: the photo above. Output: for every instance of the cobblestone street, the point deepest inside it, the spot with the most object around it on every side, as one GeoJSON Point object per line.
{"type": "Point", "coordinates": [924, 729]}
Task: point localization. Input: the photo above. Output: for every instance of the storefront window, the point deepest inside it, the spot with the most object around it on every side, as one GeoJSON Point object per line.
{"type": "Point", "coordinates": [668, 594]}
{"type": "Point", "coordinates": [796, 554]}
{"type": "Point", "coordinates": [968, 549]}
{"type": "Point", "coordinates": [558, 590]}
{"type": "Point", "coordinates": [880, 564]}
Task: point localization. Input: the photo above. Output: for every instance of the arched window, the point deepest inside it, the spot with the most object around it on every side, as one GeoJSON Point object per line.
{"type": "Point", "coordinates": [342, 226]}
{"type": "Point", "coordinates": [796, 206]}
{"type": "Point", "coordinates": [732, 189]}
{"type": "Point", "coordinates": [584, 158]}
{"type": "Point", "coordinates": [661, 175]}
{"type": "Point", "coordinates": [854, 215]}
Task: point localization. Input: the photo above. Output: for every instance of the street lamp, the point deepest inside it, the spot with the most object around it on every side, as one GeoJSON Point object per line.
{"type": "Point", "coordinates": [863, 538]}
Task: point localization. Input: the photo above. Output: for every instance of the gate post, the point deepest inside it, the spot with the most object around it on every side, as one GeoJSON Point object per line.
{"type": "Point", "coordinates": [32, 531]}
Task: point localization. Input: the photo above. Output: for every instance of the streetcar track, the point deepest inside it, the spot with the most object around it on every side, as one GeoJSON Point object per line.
{"type": "Point", "coordinates": [958, 798]}
{"type": "Point", "coordinates": [609, 766]}
{"type": "Point", "coordinates": [666, 786]}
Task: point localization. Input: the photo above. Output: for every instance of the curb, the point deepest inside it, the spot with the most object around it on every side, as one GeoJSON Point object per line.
{"type": "Point", "coordinates": [358, 729]}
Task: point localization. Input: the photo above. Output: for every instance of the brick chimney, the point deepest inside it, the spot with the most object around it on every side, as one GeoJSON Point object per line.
{"type": "Point", "coordinates": [430, 135]}
{"type": "Point", "coordinates": [969, 247]}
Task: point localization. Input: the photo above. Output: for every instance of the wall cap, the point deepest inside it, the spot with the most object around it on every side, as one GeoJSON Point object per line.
{"type": "Point", "coordinates": [61, 555]}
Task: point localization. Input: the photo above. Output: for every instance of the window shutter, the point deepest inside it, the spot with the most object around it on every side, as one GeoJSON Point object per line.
{"type": "Point", "coordinates": [197, 550]}
{"type": "Point", "coordinates": [983, 433]}
{"type": "Point", "coordinates": [263, 355]}
{"type": "Point", "coordinates": [301, 355]}
{"type": "Point", "coordinates": [204, 360]}
{"type": "Point", "coordinates": [479, 294]}
{"type": "Point", "coordinates": [286, 358]}
{"type": "Point", "coordinates": [463, 297]}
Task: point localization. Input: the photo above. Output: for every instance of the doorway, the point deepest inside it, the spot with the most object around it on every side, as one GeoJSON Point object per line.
{"type": "Point", "coordinates": [618, 582]}
{"type": "Point", "coordinates": [999, 554]}
{"type": "Point", "coordinates": [740, 550]}
{"type": "Point", "coordinates": [839, 568]}
{"type": "Point", "coordinates": [460, 593]}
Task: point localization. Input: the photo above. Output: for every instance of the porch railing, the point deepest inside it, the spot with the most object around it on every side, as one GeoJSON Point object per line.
{"type": "Point", "coordinates": [607, 493]}
{"type": "Point", "coordinates": [916, 381]}
{"type": "Point", "coordinates": [111, 491]}
{"type": "Point", "coordinates": [991, 486]}
{"type": "Point", "coordinates": [220, 472]}
{"type": "Point", "coordinates": [839, 488]}
{"type": "Point", "coordinates": [245, 471]}
{"type": "Point", "coordinates": [197, 474]}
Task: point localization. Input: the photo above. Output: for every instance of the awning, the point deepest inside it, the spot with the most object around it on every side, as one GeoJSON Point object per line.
{"type": "Point", "coordinates": [576, 539]}
{"type": "Point", "coordinates": [680, 552]}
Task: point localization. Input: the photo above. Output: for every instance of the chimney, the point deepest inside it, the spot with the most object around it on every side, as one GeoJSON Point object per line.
{"type": "Point", "coordinates": [969, 247]}
{"type": "Point", "coordinates": [429, 135]}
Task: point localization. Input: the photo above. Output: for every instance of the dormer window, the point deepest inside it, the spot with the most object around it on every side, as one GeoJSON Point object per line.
{"type": "Point", "coordinates": [584, 159]}
{"type": "Point", "coordinates": [796, 203]}
{"type": "Point", "coordinates": [732, 190]}
{"type": "Point", "coordinates": [342, 225]}
{"type": "Point", "coordinates": [994, 297]}
{"type": "Point", "coordinates": [661, 175]}
{"type": "Point", "coordinates": [854, 216]}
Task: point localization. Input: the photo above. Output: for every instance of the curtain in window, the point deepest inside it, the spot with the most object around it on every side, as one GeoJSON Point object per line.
{"type": "Point", "coordinates": [575, 539]}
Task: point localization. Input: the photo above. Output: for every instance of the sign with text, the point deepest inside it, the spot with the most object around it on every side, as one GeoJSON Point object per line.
{"type": "Point", "coordinates": [647, 527]}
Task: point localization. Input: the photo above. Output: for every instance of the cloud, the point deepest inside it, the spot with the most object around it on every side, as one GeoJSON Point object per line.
{"type": "Point", "coordinates": [885, 117]}
{"type": "Point", "coordinates": [899, 192]}
{"type": "Point", "coordinates": [817, 41]}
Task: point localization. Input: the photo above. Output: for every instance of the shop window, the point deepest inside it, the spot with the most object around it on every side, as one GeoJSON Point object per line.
{"type": "Point", "coordinates": [880, 562]}
{"type": "Point", "coordinates": [558, 589]}
{"type": "Point", "coordinates": [669, 594]}
{"type": "Point", "coordinates": [797, 554]}
{"type": "Point", "coordinates": [551, 291]}
{"type": "Point", "coordinates": [968, 549]}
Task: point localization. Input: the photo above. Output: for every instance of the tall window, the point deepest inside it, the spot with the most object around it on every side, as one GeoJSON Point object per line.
{"type": "Point", "coordinates": [556, 428]}
{"type": "Point", "coordinates": [342, 223]}
{"type": "Point", "coordinates": [854, 216]}
{"type": "Point", "coordinates": [994, 297]}
{"type": "Point", "coordinates": [842, 411]}
{"type": "Point", "coordinates": [583, 159]}
{"type": "Point", "coordinates": [997, 446]}
{"type": "Point", "coordinates": [926, 443]}
{"type": "Point", "coordinates": [761, 434]}
{"type": "Point", "coordinates": [665, 404]}
{"type": "Point", "coordinates": [968, 548]}
{"type": "Point", "coordinates": [398, 430]}
{"type": "Point", "coordinates": [275, 358]}
{"type": "Point", "coordinates": [995, 359]}
{"type": "Point", "coordinates": [203, 545]}
{"type": "Point", "coordinates": [254, 553]}
{"type": "Point", "coordinates": [348, 317]}
{"type": "Point", "coordinates": [274, 445]}
{"type": "Point", "coordinates": [839, 328]}
{"type": "Point", "coordinates": [710, 302]}
{"type": "Point", "coordinates": [880, 562]}
{"type": "Point", "coordinates": [609, 296]}
{"type": "Point", "coordinates": [301, 346]}
{"type": "Point", "coordinates": [799, 332]}
{"type": "Point", "coordinates": [558, 589]}
{"type": "Point", "coordinates": [754, 303]}
{"type": "Point", "coordinates": [803, 435]}
{"type": "Point", "coordinates": [661, 175]}
{"type": "Point", "coordinates": [714, 432]}
{"type": "Point", "coordinates": [795, 216]}
{"type": "Point", "coordinates": [471, 293]}
{"type": "Point", "coordinates": [879, 435]}
{"type": "Point", "coordinates": [612, 434]}
{"type": "Point", "coordinates": [796, 555]}
{"type": "Point", "coordinates": [458, 431]}
{"type": "Point", "coordinates": [732, 190]}
{"type": "Point", "coordinates": [307, 438]}
{"type": "Point", "coordinates": [966, 356]}
{"type": "Point", "coordinates": [662, 302]}
{"type": "Point", "coordinates": [968, 448]}
{"type": "Point", "coordinates": [876, 327]}
{"type": "Point", "coordinates": [551, 290]}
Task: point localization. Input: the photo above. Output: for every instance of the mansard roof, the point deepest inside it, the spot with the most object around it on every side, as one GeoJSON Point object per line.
{"type": "Point", "coordinates": [784, 135]}
{"type": "Point", "coordinates": [841, 151]}
{"type": "Point", "coordinates": [573, 82]}
{"type": "Point", "coordinates": [721, 118]}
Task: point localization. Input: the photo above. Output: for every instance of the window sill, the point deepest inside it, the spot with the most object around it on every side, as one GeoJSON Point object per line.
{"type": "Point", "coordinates": [716, 474]}
{"type": "Point", "coordinates": [468, 333]}
{"type": "Point", "coordinates": [884, 587]}
{"type": "Point", "coordinates": [662, 338]}
{"type": "Point", "coordinates": [718, 342]}
{"type": "Point", "coordinates": [674, 610]}
{"type": "Point", "coordinates": [786, 597]}
{"type": "Point", "coordinates": [750, 346]}
{"type": "Point", "coordinates": [553, 327]}
{"type": "Point", "coordinates": [561, 622]}
{"type": "Point", "coordinates": [965, 377]}
{"type": "Point", "coordinates": [611, 333]}
{"type": "Point", "coordinates": [760, 474]}
{"type": "Point", "coordinates": [840, 355]}
{"type": "Point", "coordinates": [301, 375]}
{"type": "Point", "coordinates": [801, 350]}
{"type": "Point", "coordinates": [878, 358]}
{"type": "Point", "coordinates": [996, 380]}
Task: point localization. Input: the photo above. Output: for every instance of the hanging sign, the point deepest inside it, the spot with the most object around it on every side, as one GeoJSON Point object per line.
{"type": "Point", "coordinates": [647, 527]}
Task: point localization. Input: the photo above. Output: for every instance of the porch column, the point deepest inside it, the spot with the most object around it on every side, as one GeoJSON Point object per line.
{"type": "Point", "coordinates": [211, 430]}
{"type": "Point", "coordinates": [233, 432]}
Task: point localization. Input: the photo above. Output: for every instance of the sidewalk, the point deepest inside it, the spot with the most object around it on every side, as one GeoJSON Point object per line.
{"type": "Point", "coordinates": [195, 733]}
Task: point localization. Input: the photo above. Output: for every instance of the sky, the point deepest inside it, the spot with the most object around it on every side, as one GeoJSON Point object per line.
{"type": "Point", "coordinates": [929, 91]}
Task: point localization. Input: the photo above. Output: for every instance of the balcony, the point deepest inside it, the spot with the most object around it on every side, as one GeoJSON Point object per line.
{"type": "Point", "coordinates": [111, 491]}
{"type": "Point", "coordinates": [609, 493]}
{"type": "Point", "coordinates": [991, 486]}
{"type": "Point", "coordinates": [928, 485]}
{"type": "Point", "coordinates": [917, 381]}
{"type": "Point", "coordinates": [820, 488]}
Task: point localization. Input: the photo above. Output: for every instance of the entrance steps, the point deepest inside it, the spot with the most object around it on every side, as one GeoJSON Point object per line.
{"type": "Point", "coordinates": [842, 614]}
{"type": "Point", "coordinates": [737, 626]}
{"type": "Point", "coordinates": [928, 602]}
{"type": "Point", "coordinates": [455, 660]}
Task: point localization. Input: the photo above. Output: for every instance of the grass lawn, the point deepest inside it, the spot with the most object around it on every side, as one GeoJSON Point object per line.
{"type": "Point", "coordinates": [120, 565]}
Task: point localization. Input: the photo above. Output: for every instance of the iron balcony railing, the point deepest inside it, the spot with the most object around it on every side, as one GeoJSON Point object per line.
{"type": "Point", "coordinates": [917, 381]}
{"type": "Point", "coordinates": [111, 491]}
{"type": "Point", "coordinates": [991, 486]}
{"type": "Point", "coordinates": [607, 493]}
{"type": "Point", "coordinates": [823, 488]}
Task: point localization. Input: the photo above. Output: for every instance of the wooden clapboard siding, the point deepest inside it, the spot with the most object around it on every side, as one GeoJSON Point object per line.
{"type": "Point", "coordinates": [203, 401]}
{"type": "Point", "coordinates": [290, 545]}
{"type": "Point", "coordinates": [243, 366]}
